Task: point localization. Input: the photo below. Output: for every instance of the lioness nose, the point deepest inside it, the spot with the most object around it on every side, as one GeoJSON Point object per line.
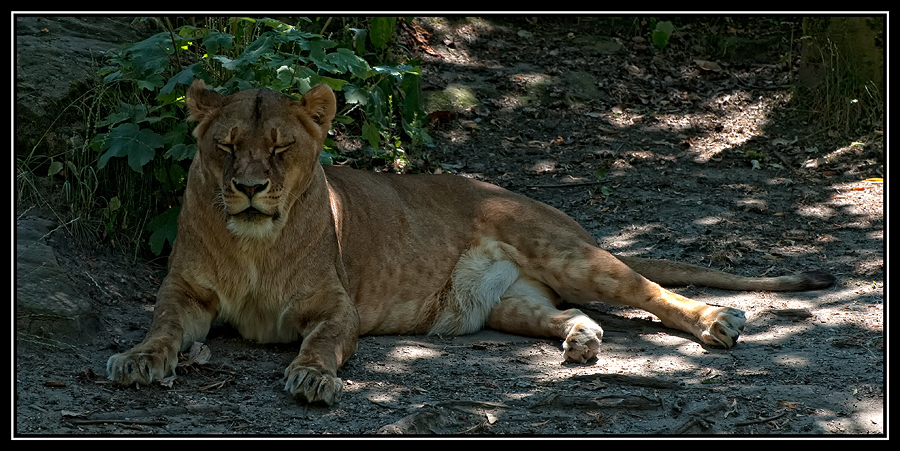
{"type": "Point", "coordinates": [249, 187]}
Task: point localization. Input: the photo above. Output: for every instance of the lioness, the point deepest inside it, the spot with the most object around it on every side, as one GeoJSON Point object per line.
{"type": "Point", "coordinates": [283, 248]}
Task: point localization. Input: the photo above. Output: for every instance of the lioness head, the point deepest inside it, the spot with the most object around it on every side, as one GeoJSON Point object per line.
{"type": "Point", "coordinates": [259, 148]}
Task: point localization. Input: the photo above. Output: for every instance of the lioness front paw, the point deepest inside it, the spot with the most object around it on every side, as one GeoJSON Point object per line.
{"type": "Point", "coordinates": [583, 342]}
{"type": "Point", "coordinates": [721, 326]}
{"type": "Point", "coordinates": [311, 385]}
{"type": "Point", "coordinates": [142, 364]}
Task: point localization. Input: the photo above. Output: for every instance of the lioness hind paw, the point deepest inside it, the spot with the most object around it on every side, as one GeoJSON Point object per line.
{"type": "Point", "coordinates": [312, 386]}
{"type": "Point", "coordinates": [582, 343]}
{"type": "Point", "coordinates": [722, 326]}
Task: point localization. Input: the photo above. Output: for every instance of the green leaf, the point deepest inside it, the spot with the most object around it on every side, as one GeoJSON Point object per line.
{"type": "Point", "coordinates": [185, 77]}
{"type": "Point", "coordinates": [114, 204]}
{"type": "Point", "coordinates": [335, 84]}
{"type": "Point", "coordinates": [316, 48]}
{"type": "Point", "coordinates": [305, 78]}
{"type": "Point", "coordinates": [164, 227]}
{"type": "Point", "coordinates": [55, 167]}
{"type": "Point", "coordinates": [665, 27]}
{"type": "Point", "coordinates": [411, 86]}
{"type": "Point", "coordinates": [380, 30]}
{"type": "Point", "coordinates": [113, 76]}
{"type": "Point", "coordinates": [395, 71]}
{"type": "Point", "coordinates": [216, 40]}
{"type": "Point", "coordinates": [661, 34]}
{"type": "Point", "coordinates": [359, 40]}
{"type": "Point", "coordinates": [136, 113]}
{"type": "Point", "coordinates": [171, 176]}
{"type": "Point", "coordinates": [129, 140]}
{"type": "Point", "coordinates": [344, 59]}
{"type": "Point", "coordinates": [417, 133]}
{"type": "Point", "coordinates": [376, 105]}
{"type": "Point", "coordinates": [326, 157]}
{"type": "Point", "coordinates": [370, 134]}
{"type": "Point", "coordinates": [151, 56]}
{"type": "Point", "coordinates": [151, 82]}
{"type": "Point", "coordinates": [354, 94]}
{"type": "Point", "coordinates": [180, 152]}
{"type": "Point", "coordinates": [250, 56]}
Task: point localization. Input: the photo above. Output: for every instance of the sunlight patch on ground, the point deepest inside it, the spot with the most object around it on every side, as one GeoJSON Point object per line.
{"type": "Point", "coordinates": [408, 353]}
{"type": "Point", "coordinates": [734, 124]}
{"type": "Point", "coordinates": [770, 334]}
{"type": "Point", "coordinates": [632, 234]}
{"type": "Point", "coordinates": [401, 359]}
{"type": "Point", "coordinates": [816, 211]}
{"type": "Point", "coordinates": [709, 221]}
{"type": "Point", "coordinates": [792, 360]}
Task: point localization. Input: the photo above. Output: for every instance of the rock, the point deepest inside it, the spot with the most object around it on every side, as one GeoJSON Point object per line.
{"type": "Point", "coordinates": [55, 57]}
{"type": "Point", "coordinates": [56, 61]}
{"type": "Point", "coordinates": [47, 304]}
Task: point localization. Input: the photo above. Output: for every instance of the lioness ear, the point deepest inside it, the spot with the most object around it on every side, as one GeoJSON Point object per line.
{"type": "Point", "coordinates": [202, 101]}
{"type": "Point", "coordinates": [320, 105]}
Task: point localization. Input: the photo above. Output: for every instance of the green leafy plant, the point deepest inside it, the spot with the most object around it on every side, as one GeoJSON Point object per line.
{"type": "Point", "coordinates": [600, 174]}
{"type": "Point", "coordinates": [661, 34]}
{"type": "Point", "coordinates": [382, 99]}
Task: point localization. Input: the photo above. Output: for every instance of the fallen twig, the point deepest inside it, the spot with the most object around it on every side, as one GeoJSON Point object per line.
{"type": "Point", "coordinates": [761, 420]}
{"type": "Point", "coordinates": [565, 185]}
{"type": "Point", "coordinates": [691, 422]}
{"type": "Point", "coordinates": [700, 418]}
{"type": "Point", "coordinates": [626, 379]}
{"type": "Point", "coordinates": [477, 428]}
{"type": "Point", "coordinates": [215, 385]}
{"type": "Point", "coordinates": [122, 421]}
{"type": "Point", "coordinates": [427, 420]}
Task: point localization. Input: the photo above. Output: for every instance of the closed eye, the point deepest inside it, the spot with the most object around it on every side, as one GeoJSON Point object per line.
{"type": "Point", "coordinates": [278, 148]}
{"type": "Point", "coordinates": [227, 147]}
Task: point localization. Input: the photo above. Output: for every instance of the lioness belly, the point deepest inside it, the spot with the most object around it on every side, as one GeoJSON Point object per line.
{"type": "Point", "coordinates": [482, 276]}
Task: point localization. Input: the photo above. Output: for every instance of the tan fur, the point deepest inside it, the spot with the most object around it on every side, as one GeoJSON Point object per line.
{"type": "Point", "coordinates": [282, 248]}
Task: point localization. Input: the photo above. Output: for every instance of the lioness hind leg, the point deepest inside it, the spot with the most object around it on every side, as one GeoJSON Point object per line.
{"type": "Point", "coordinates": [527, 309]}
{"type": "Point", "coordinates": [585, 273]}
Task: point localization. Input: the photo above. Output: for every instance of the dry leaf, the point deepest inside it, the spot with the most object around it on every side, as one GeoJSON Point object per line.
{"type": "Point", "coordinates": [168, 382]}
{"type": "Point", "coordinates": [814, 163]}
{"type": "Point", "coordinates": [199, 354]}
{"type": "Point", "coordinates": [782, 142]}
{"type": "Point", "coordinates": [708, 66]}
{"type": "Point", "coordinates": [608, 131]}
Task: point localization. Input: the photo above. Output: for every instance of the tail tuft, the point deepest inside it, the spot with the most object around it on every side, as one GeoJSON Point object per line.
{"type": "Point", "coordinates": [816, 280]}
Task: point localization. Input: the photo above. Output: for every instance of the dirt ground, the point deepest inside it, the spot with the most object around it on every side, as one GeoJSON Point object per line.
{"type": "Point", "coordinates": [677, 144]}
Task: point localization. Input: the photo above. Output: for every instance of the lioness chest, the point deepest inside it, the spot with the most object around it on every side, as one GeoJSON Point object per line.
{"type": "Point", "coordinates": [253, 298]}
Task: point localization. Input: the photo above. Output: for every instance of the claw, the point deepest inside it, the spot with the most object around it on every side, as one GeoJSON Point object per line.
{"type": "Point", "coordinates": [311, 385]}
{"type": "Point", "coordinates": [723, 326]}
